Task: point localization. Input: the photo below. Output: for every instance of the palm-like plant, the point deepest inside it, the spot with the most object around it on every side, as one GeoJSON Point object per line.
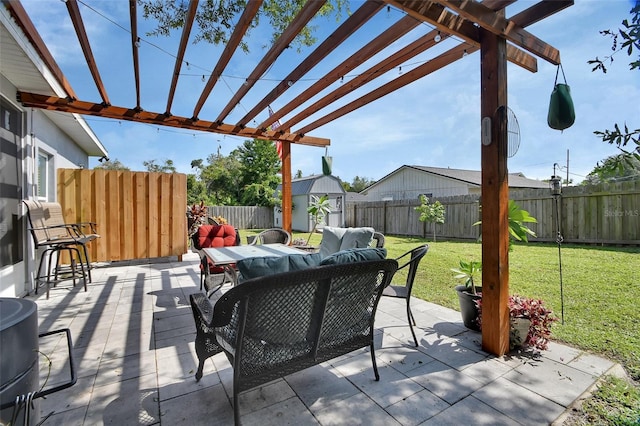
{"type": "Point", "coordinates": [318, 209]}
{"type": "Point", "coordinates": [468, 271]}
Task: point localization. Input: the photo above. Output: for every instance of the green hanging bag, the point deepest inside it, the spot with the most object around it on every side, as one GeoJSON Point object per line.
{"type": "Point", "coordinates": [561, 113]}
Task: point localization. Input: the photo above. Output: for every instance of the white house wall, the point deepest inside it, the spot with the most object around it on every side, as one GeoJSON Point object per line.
{"type": "Point", "coordinates": [409, 183]}
{"type": "Point", "coordinates": [40, 134]}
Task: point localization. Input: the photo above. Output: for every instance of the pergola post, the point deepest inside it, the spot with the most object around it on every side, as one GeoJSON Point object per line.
{"type": "Point", "coordinates": [495, 196]}
{"type": "Point", "coordinates": [286, 186]}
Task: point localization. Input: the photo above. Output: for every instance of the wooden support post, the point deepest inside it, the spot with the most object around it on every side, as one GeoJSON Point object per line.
{"type": "Point", "coordinates": [495, 196]}
{"type": "Point", "coordinates": [286, 186]}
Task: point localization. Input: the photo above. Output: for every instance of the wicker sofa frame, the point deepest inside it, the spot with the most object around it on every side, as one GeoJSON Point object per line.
{"type": "Point", "coordinates": [273, 326]}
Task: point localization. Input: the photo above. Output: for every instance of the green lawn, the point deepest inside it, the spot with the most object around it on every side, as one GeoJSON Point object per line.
{"type": "Point", "coordinates": [601, 289]}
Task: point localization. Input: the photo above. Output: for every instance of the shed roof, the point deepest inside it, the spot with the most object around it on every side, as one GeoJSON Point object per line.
{"type": "Point", "coordinates": [304, 185]}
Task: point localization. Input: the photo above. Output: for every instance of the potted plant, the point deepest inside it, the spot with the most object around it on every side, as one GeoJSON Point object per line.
{"type": "Point", "coordinates": [468, 292]}
{"type": "Point", "coordinates": [530, 322]}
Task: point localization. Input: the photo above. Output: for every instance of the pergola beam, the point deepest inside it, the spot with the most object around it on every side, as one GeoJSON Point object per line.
{"type": "Point", "coordinates": [76, 19]}
{"type": "Point", "coordinates": [54, 103]}
{"type": "Point", "coordinates": [498, 25]}
{"type": "Point", "coordinates": [342, 33]}
{"type": "Point", "coordinates": [182, 47]}
{"type": "Point", "coordinates": [307, 12]}
{"type": "Point", "coordinates": [397, 30]}
{"type": "Point", "coordinates": [134, 49]}
{"type": "Point", "coordinates": [428, 67]}
{"type": "Point", "coordinates": [234, 41]}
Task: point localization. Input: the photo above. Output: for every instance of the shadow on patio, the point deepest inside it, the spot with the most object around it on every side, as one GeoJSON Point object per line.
{"type": "Point", "coordinates": [133, 335]}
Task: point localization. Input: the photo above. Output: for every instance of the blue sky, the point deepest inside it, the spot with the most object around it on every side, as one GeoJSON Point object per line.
{"type": "Point", "coordinates": [432, 122]}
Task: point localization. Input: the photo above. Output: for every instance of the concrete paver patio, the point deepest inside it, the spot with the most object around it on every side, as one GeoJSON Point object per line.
{"type": "Point", "coordinates": [133, 335]}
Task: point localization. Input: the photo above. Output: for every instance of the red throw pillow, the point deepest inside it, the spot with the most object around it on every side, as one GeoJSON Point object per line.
{"type": "Point", "coordinates": [216, 236]}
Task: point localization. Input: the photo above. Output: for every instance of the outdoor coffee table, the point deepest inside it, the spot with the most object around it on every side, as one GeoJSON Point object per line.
{"type": "Point", "coordinates": [227, 256]}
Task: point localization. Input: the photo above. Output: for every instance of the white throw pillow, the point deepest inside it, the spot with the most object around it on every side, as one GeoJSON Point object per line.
{"type": "Point", "coordinates": [357, 238]}
{"type": "Point", "coordinates": [331, 240]}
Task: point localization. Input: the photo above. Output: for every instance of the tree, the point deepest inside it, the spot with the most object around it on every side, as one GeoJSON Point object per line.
{"type": "Point", "coordinates": [152, 167]}
{"type": "Point", "coordinates": [221, 178]}
{"type": "Point", "coordinates": [622, 171]}
{"type": "Point", "coordinates": [630, 36]}
{"type": "Point", "coordinates": [259, 169]}
{"type": "Point", "coordinates": [358, 184]}
{"type": "Point", "coordinates": [431, 212]}
{"type": "Point", "coordinates": [111, 165]}
{"type": "Point", "coordinates": [215, 20]}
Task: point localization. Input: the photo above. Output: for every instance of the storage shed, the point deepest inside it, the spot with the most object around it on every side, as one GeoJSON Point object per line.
{"type": "Point", "coordinates": [302, 190]}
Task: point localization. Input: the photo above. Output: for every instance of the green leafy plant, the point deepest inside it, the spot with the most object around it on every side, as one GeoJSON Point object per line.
{"type": "Point", "coordinates": [468, 271]}
{"type": "Point", "coordinates": [431, 212]}
{"type": "Point", "coordinates": [517, 219]}
{"type": "Point", "coordinates": [318, 209]}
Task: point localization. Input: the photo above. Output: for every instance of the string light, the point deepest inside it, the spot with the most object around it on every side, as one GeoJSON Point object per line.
{"type": "Point", "coordinates": [246, 82]}
{"type": "Point", "coordinates": [437, 38]}
{"type": "Point", "coordinates": [203, 78]}
{"type": "Point", "coordinates": [137, 43]}
{"type": "Point", "coordinates": [465, 53]}
{"type": "Point", "coordinates": [400, 70]}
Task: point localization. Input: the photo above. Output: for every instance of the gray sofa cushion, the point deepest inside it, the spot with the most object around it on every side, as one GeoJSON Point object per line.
{"type": "Point", "coordinates": [355, 255]}
{"type": "Point", "coordinates": [254, 267]}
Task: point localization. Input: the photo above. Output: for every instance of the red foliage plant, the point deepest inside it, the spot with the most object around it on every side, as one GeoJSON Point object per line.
{"type": "Point", "coordinates": [534, 310]}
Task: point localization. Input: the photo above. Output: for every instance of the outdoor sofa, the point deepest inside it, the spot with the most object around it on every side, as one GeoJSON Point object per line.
{"type": "Point", "coordinates": [306, 310]}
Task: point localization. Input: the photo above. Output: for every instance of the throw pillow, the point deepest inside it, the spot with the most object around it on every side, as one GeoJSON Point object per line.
{"type": "Point", "coordinates": [331, 240]}
{"type": "Point", "coordinates": [357, 238]}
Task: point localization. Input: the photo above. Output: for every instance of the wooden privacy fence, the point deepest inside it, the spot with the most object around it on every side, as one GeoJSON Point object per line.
{"type": "Point", "coordinates": [139, 214]}
{"type": "Point", "coordinates": [244, 217]}
{"type": "Point", "coordinates": [595, 214]}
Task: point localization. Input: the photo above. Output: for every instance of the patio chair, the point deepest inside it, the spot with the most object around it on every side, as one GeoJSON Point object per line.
{"type": "Point", "coordinates": [404, 290]}
{"type": "Point", "coordinates": [49, 231]}
{"type": "Point", "coordinates": [271, 236]}
{"type": "Point", "coordinates": [378, 239]}
{"type": "Point", "coordinates": [213, 277]}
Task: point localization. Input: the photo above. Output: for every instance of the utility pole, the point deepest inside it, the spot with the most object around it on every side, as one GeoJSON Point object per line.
{"type": "Point", "coordinates": [567, 181]}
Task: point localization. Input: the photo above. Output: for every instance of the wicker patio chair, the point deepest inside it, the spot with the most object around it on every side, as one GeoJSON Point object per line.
{"type": "Point", "coordinates": [404, 290]}
{"type": "Point", "coordinates": [271, 236]}
{"type": "Point", "coordinates": [275, 325]}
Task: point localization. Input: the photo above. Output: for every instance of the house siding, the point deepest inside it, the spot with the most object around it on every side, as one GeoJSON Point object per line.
{"type": "Point", "coordinates": [409, 183]}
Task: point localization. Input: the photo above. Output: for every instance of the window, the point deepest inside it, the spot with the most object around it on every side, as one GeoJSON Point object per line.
{"type": "Point", "coordinates": [43, 175]}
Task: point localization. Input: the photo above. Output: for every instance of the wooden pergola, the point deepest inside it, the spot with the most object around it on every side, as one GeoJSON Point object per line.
{"type": "Point", "coordinates": [480, 25]}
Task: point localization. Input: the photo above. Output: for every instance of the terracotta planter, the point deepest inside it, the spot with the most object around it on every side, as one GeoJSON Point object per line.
{"type": "Point", "coordinates": [468, 308]}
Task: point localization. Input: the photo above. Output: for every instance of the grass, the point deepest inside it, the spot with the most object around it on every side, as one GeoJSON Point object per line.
{"type": "Point", "coordinates": [601, 310]}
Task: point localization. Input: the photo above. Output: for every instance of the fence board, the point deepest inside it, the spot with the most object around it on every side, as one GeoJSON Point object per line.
{"type": "Point", "coordinates": [139, 214]}
{"type": "Point", "coordinates": [598, 214]}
